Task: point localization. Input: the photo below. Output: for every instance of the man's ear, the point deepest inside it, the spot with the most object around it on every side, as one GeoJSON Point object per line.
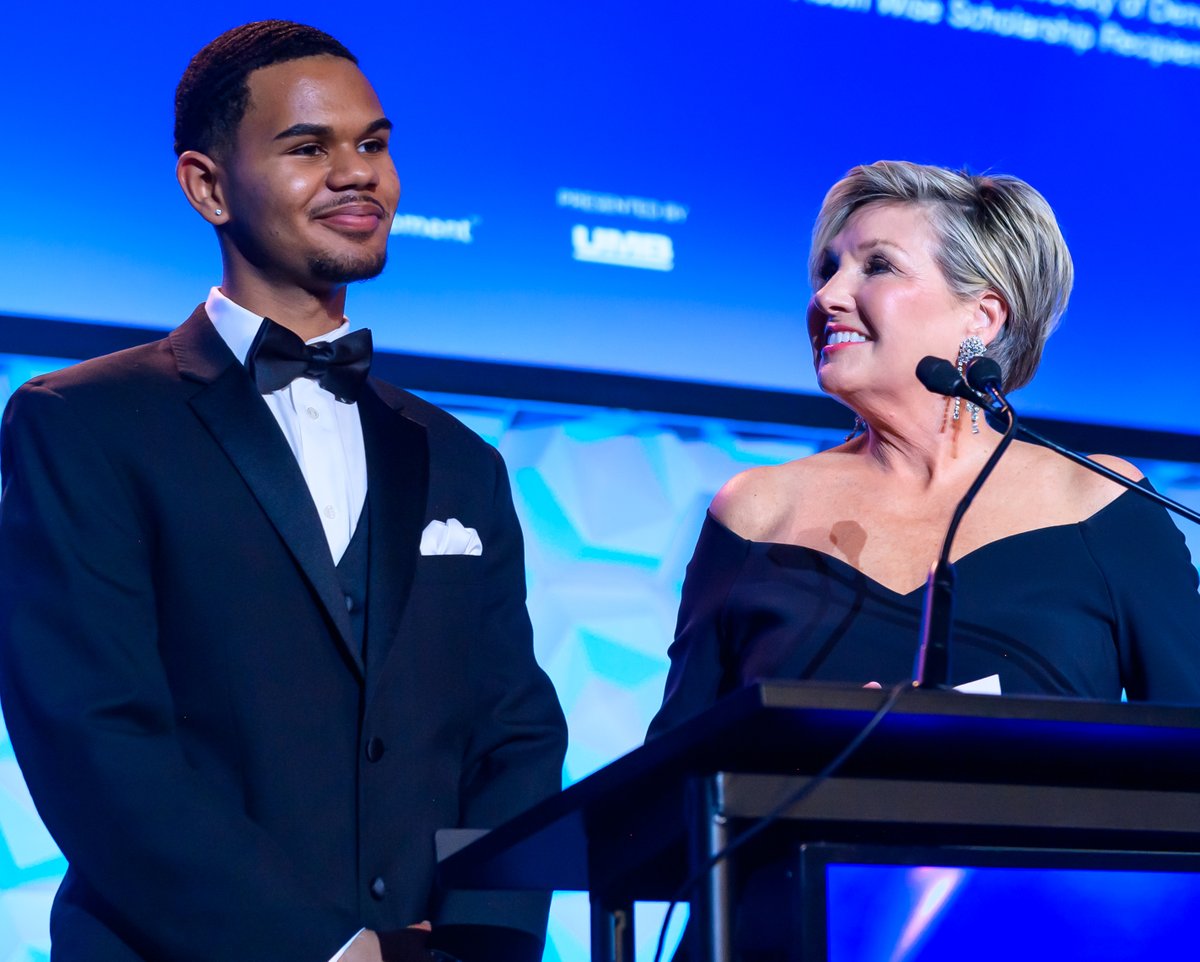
{"type": "Point", "coordinates": [991, 313]}
{"type": "Point", "coordinates": [197, 176]}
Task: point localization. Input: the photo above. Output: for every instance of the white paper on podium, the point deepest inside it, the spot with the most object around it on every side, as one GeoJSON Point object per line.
{"type": "Point", "coordinates": [989, 685]}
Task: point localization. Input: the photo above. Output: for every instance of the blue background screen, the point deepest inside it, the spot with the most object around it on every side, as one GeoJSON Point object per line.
{"type": "Point", "coordinates": [630, 186]}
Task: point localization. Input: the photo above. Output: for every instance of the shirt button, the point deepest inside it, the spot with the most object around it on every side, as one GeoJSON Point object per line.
{"type": "Point", "coordinates": [374, 749]}
{"type": "Point", "coordinates": [378, 889]}
{"type": "Point", "coordinates": [349, 603]}
{"type": "Point", "coordinates": [314, 413]}
{"type": "Point", "coordinates": [330, 512]}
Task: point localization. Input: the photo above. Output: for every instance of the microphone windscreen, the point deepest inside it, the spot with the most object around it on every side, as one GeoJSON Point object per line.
{"type": "Point", "coordinates": [939, 376]}
{"type": "Point", "coordinates": [983, 374]}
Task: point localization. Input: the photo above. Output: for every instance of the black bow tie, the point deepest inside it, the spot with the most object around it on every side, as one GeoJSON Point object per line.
{"type": "Point", "coordinates": [277, 357]}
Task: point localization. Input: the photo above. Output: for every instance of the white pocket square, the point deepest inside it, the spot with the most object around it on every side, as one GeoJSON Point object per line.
{"type": "Point", "coordinates": [450, 537]}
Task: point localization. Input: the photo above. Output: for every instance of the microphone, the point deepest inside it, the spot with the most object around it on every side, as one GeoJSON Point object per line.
{"type": "Point", "coordinates": [984, 375]}
{"type": "Point", "coordinates": [941, 377]}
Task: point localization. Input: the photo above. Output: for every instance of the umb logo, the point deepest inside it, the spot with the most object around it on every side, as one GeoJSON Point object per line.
{"type": "Point", "coordinates": [623, 248]}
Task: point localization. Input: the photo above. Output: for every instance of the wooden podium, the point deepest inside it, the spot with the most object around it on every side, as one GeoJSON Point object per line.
{"type": "Point", "coordinates": [941, 768]}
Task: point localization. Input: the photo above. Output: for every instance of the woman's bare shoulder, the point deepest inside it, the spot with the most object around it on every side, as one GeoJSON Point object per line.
{"type": "Point", "coordinates": [1122, 467]}
{"type": "Point", "coordinates": [754, 503]}
{"type": "Point", "coordinates": [1096, 492]}
{"type": "Point", "coordinates": [1079, 491]}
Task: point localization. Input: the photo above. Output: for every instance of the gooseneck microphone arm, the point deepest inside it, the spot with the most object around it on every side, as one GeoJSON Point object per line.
{"type": "Point", "coordinates": [982, 386]}
{"type": "Point", "coordinates": [987, 383]}
{"type": "Point", "coordinates": [1182, 510]}
{"type": "Point", "coordinates": [937, 618]}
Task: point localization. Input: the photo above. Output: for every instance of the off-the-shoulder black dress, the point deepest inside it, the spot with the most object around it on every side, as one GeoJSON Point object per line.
{"type": "Point", "coordinates": [1084, 609]}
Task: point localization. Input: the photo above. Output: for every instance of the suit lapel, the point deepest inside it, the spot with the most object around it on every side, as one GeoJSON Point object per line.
{"type": "Point", "coordinates": [242, 424]}
{"type": "Point", "coordinates": [397, 489]}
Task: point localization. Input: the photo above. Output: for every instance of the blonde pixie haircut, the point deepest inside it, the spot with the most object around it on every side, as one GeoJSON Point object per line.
{"type": "Point", "coordinates": [994, 233]}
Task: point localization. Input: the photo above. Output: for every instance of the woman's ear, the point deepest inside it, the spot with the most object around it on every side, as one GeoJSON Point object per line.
{"type": "Point", "coordinates": [991, 313]}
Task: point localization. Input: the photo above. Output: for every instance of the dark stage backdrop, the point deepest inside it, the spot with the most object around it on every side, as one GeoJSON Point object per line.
{"type": "Point", "coordinates": [629, 186]}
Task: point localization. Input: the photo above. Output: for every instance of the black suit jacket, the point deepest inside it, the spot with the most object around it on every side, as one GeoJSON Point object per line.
{"type": "Point", "coordinates": [227, 775]}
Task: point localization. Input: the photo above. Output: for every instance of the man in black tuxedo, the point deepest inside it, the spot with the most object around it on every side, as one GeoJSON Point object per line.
{"type": "Point", "coordinates": [261, 634]}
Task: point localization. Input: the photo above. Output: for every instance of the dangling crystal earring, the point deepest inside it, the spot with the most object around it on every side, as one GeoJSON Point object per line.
{"type": "Point", "coordinates": [970, 348]}
{"type": "Point", "coordinates": [859, 427]}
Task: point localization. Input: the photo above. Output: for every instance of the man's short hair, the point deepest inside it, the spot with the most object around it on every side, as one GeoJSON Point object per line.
{"type": "Point", "coordinates": [213, 94]}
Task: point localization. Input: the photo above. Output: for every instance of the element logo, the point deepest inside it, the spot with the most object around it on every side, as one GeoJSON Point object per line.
{"type": "Point", "coordinates": [435, 228]}
{"type": "Point", "coordinates": [623, 248]}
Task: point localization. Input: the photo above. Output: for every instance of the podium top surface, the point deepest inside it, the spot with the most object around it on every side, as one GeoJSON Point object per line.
{"type": "Point", "coordinates": [797, 728]}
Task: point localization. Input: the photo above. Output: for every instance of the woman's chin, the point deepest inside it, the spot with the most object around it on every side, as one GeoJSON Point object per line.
{"type": "Point", "coordinates": [836, 383]}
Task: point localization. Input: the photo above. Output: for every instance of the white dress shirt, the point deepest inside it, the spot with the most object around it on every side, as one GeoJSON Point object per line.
{"type": "Point", "coordinates": [324, 433]}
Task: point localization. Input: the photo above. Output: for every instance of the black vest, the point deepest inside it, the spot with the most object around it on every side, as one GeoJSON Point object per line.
{"type": "Point", "coordinates": [352, 572]}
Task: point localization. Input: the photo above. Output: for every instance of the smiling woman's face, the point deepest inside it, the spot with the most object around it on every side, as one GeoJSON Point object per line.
{"type": "Point", "coordinates": [883, 303]}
